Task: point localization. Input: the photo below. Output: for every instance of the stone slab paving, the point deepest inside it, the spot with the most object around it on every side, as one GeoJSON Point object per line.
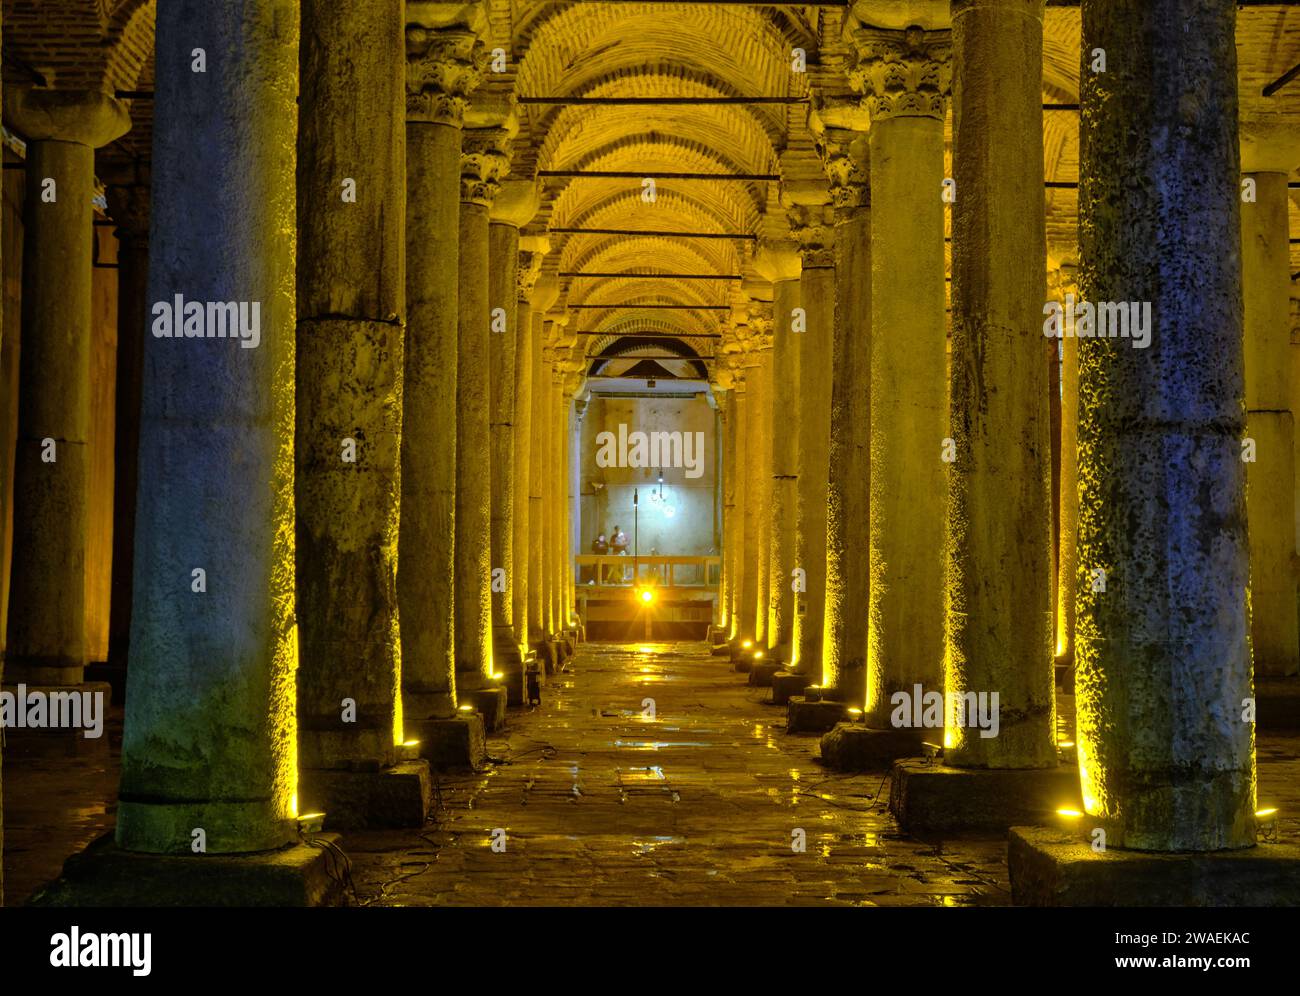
{"type": "Point", "coordinates": [603, 804]}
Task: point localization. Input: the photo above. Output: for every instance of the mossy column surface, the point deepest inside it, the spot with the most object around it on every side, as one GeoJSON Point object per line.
{"type": "Point", "coordinates": [1270, 423]}
{"type": "Point", "coordinates": [441, 69]}
{"type": "Point", "coordinates": [210, 736]}
{"type": "Point", "coordinates": [754, 509]}
{"type": "Point", "coordinates": [350, 338]}
{"type": "Point", "coordinates": [999, 614]}
{"type": "Point", "coordinates": [905, 77]}
{"type": "Point", "coordinates": [483, 162]}
{"type": "Point", "coordinates": [778, 262]}
{"type": "Point", "coordinates": [1162, 641]}
{"type": "Point", "coordinates": [532, 251]}
{"type": "Point", "coordinates": [760, 442]}
{"type": "Point", "coordinates": [1068, 537]}
{"type": "Point", "coordinates": [740, 529]}
{"type": "Point", "coordinates": [813, 229]}
{"type": "Point", "coordinates": [47, 597]}
{"type": "Point", "coordinates": [844, 634]}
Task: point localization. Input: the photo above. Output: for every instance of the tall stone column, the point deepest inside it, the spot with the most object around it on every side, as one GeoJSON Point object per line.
{"type": "Point", "coordinates": [350, 339]}
{"type": "Point", "coordinates": [844, 635]}
{"type": "Point", "coordinates": [999, 617]}
{"type": "Point", "coordinates": [47, 627]}
{"type": "Point", "coordinates": [211, 732]}
{"type": "Point", "coordinates": [514, 206]}
{"type": "Point", "coordinates": [559, 500]}
{"type": "Point", "coordinates": [905, 77]}
{"type": "Point", "coordinates": [532, 251]}
{"type": "Point", "coordinates": [813, 228]}
{"type": "Point", "coordinates": [741, 530]}
{"type": "Point", "coordinates": [1067, 539]}
{"type": "Point", "coordinates": [538, 590]}
{"type": "Point", "coordinates": [1162, 641]}
{"type": "Point", "coordinates": [724, 397]}
{"type": "Point", "coordinates": [760, 481]}
{"type": "Point", "coordinates": [778, 263]}
{"type": "Point", "coordinates": [1270, 424]}
{"type": "Point", "coordinates": [442, 68]}
{"type": "Point", "coordinates": [545, 483]}
{"type": "Point", "coordinates": [483, 162]}
{"type": "Point", "coordinates": [128, 203]}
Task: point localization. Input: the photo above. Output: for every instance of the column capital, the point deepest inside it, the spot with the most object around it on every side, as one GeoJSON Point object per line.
{"type": "Point", "coordinates": [777, 260]}
{"type": "Point", "coordinates": [846, 159]}
{"type": "Point", "coordinates": [904, 73]}
{"type": "Point", "coordinates": [442, 67]}
{"type": "Point", "coordinates": [517, 202]}
{"type": "Point", "coordinates": [527, 270]}
{"type": "Point", "coordinates": [813, 227]}
{"type": "Point", "coordinates": [86, 117]}
{"type": "Point", "coordinates": [484, 160]}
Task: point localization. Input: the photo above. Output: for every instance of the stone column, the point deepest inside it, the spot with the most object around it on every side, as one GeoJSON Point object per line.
{"type": "Point", "coordinates": [559, 500]}
{"type": "Point", "coordinates": [539, 621]}
{"type": "Point", "coordinates": [350, 338]}
{"type": "Point", "coordinates": [441, 68]}
{"type": "Point", "coordinates": [1270, 424]}
{"type": "Point", "coordinates": [47, 626]}
{"type": "Point", "coordinates": [128, 203]}
{"type": "Point", "coordinates": [760, 480]}
{"type": "Point", "coordinates": [483, 162]}
{"type": "Point", "coordinates": [999, 620]}
{"type": "Point", "coordinates": [1162, 641]}
{"type": "Point", "coordinates": [1067, 538]}
{"type": "Point", "coordinates": [724, 398]}
{"type": "Point", "coordinates": [532, 251]}
{"type": "Point", "coordinates": [813, 228]}
{"type": "Point", "coordinates": [741, 534]}
{"type": "Point", "coordinates": [905, 77]}
{"type": "Point", "coordinates": [545, 422]}
{"type": "Point", "coordinates": [844, 635]}
{"type": "Point", "coordinates": [211, 733]}
{"type": "Point", "coordinates": [778, 263]}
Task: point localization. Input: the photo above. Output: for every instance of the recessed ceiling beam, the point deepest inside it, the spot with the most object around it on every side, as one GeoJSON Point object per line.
{"type": "Point", "coordinates": [656, 276]}
{"type": "Point", "coordinates": [655, 233]}
{"type": "Point", "coordinates": [618, 174]}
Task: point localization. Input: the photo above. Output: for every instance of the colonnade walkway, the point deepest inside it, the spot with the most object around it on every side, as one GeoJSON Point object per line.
{"type": "Point", "coordinates": [602, 804]}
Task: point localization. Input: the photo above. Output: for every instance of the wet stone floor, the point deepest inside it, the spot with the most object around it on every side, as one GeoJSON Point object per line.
{"type": "Point", "coordinates": [603, 800]}
{"type": "Point", "coordinates": [696, 801]}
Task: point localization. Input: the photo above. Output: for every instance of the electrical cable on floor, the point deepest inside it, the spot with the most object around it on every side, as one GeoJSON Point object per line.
{"type": "Point", "coordinates": [338, 866]}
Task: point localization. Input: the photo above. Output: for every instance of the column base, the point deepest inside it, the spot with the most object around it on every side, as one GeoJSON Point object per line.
{"type": "Point", "coordinates": [458, 742]}
{"type": "Point", "coordinates": [786, 684]}
{"type": "Point", "coordinates": [933, 796]}
{"type": "Point", "coordinates": [398, 796]}
{"type": "Point", "coordinates": [1277, 703]}
{"type": "Point", "coordinates": [762, 672]}
{"type": "Point", "coordinates": [509, 663]}
{"type": "Point", "coordinates": [105, 875]}
{"type": "Point", "coordinates": [855, 747]}
{"type": "Point", "coordinates": [1051, 867]}
{"type": "Point", "coordinates": [490, 703]}
{"type": "Point", "coordinates": [803, 716]}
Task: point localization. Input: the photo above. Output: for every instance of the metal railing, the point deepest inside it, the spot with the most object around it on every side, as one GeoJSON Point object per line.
{"type": "Point", "coordinates": [595, 570]}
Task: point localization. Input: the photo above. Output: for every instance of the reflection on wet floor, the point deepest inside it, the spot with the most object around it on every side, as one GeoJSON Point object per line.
{"type": "Point", "coordinates": [694, 798]}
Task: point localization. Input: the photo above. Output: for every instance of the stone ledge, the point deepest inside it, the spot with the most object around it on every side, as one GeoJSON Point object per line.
{"type": "Point", "coordinates": [934, 796]}
{"type": "Point", "coordinates": [803, 716]}
{"type": "Point", "coordinates": [458, 742]}
{"type": "Point", "coordinates": [398, 796]}
{"type": "Point", "coordinates": [490, 703]}
{"type": "Point", "coordinates": [1050, 867]}
{"type": "Point", "coordinates": [105, 875]}
{"type": "Point", "coordinates": [855, 747]}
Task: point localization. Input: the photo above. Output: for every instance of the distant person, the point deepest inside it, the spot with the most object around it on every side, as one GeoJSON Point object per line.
{"type": "Point", "coordinates": [600, 547]}
{"type": "Point", "coordinates": [618, 546]}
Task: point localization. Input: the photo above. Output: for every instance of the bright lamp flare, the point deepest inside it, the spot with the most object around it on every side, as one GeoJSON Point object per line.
{"type": "Point", "coordinates": [647, 595]}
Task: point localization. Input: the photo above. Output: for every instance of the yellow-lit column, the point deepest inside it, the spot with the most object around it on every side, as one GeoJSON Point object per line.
{"type": "Point", "coordinates": [755, 508]}
{"type": "Point", "coordinates": [813, 228]}
{"type": "Point", "coordinates": [905, 77]}
{"type": "Point", "coordinates": [778, 263]}
{"type": "Point", "coordinates": [1068, 535]}
{"type": "Point", "coordinates": [848, 514]}
{"type": "Point", "coordinates": [999, 614]}
{"type": "Point", "coordinates": [740, 529]}
{"type": "Point", "coordinates": [1270, 425]}
{"type": "Point", "coordinates": [761, 441]}
{"type": "Point", "coordinates": [532, 251]}
{"type": "Point", "coordinates": [483, 161]}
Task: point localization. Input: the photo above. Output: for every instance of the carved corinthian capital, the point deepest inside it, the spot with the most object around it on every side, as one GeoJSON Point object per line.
{"type": "Point", "coordinates": [484, 160]}
{"type": "Point", "coordinates": [442, 68]}
{"type": "Point", "coordinates": [812, 227]}
{"type": "Point", "coordinates": [844, 156]}
{"type": "Point", "coordinates": [903, 73]}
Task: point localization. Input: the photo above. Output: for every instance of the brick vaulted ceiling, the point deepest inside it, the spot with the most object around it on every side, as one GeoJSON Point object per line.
{"type": "Point", "coordinates": [611, 48]}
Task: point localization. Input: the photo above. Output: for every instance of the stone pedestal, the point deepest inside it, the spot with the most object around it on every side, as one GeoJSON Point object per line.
{"type": "Point", "coordinates": [929, 796]}
{"type": "Point", "coordinates": [398, 795]}
{"type": "Point", "coordinates": [804, 716]}
{"type": "Point", "coordinates": [762, 671]}
{"type": "Point", "coordinates": [451, 743]}
{"type": "Point", "coordinates": [786, 684]}
{"type": "Point", "coordinates": [490, 703]}
{"type": "Point", "coordinates": [855, 747]}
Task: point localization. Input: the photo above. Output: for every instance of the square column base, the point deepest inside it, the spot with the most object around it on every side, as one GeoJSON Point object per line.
{"type": "Point", "coordinates": [760, 675]}
{"type": "Point", "coordinates": [490, 703]}
{"type": "Point", "coordinates": [399, 796]}
{"type": "Point", "coordinates": [1277, 703]}
{"type": "Point", "coordinates": [934, 796]}
{"type": "Point", "coordinates": [105, 875]}
{"type": "Point", "coordinates": [742, 661]}
{"type": "Point", "coordinates": [786, 684]}
{"type": "Point", "coordinates": [458, 742]}
{"type": "Point", "coordinates": [803, 716]}
{"type": "Point", "coordinates": [855, 747]}
{"type": "Point", "coordinates": [1052, 867]}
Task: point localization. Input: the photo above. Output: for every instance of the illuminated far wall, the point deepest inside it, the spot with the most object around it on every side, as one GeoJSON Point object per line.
{"type": "Point", "coordinates": [695, 526]}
